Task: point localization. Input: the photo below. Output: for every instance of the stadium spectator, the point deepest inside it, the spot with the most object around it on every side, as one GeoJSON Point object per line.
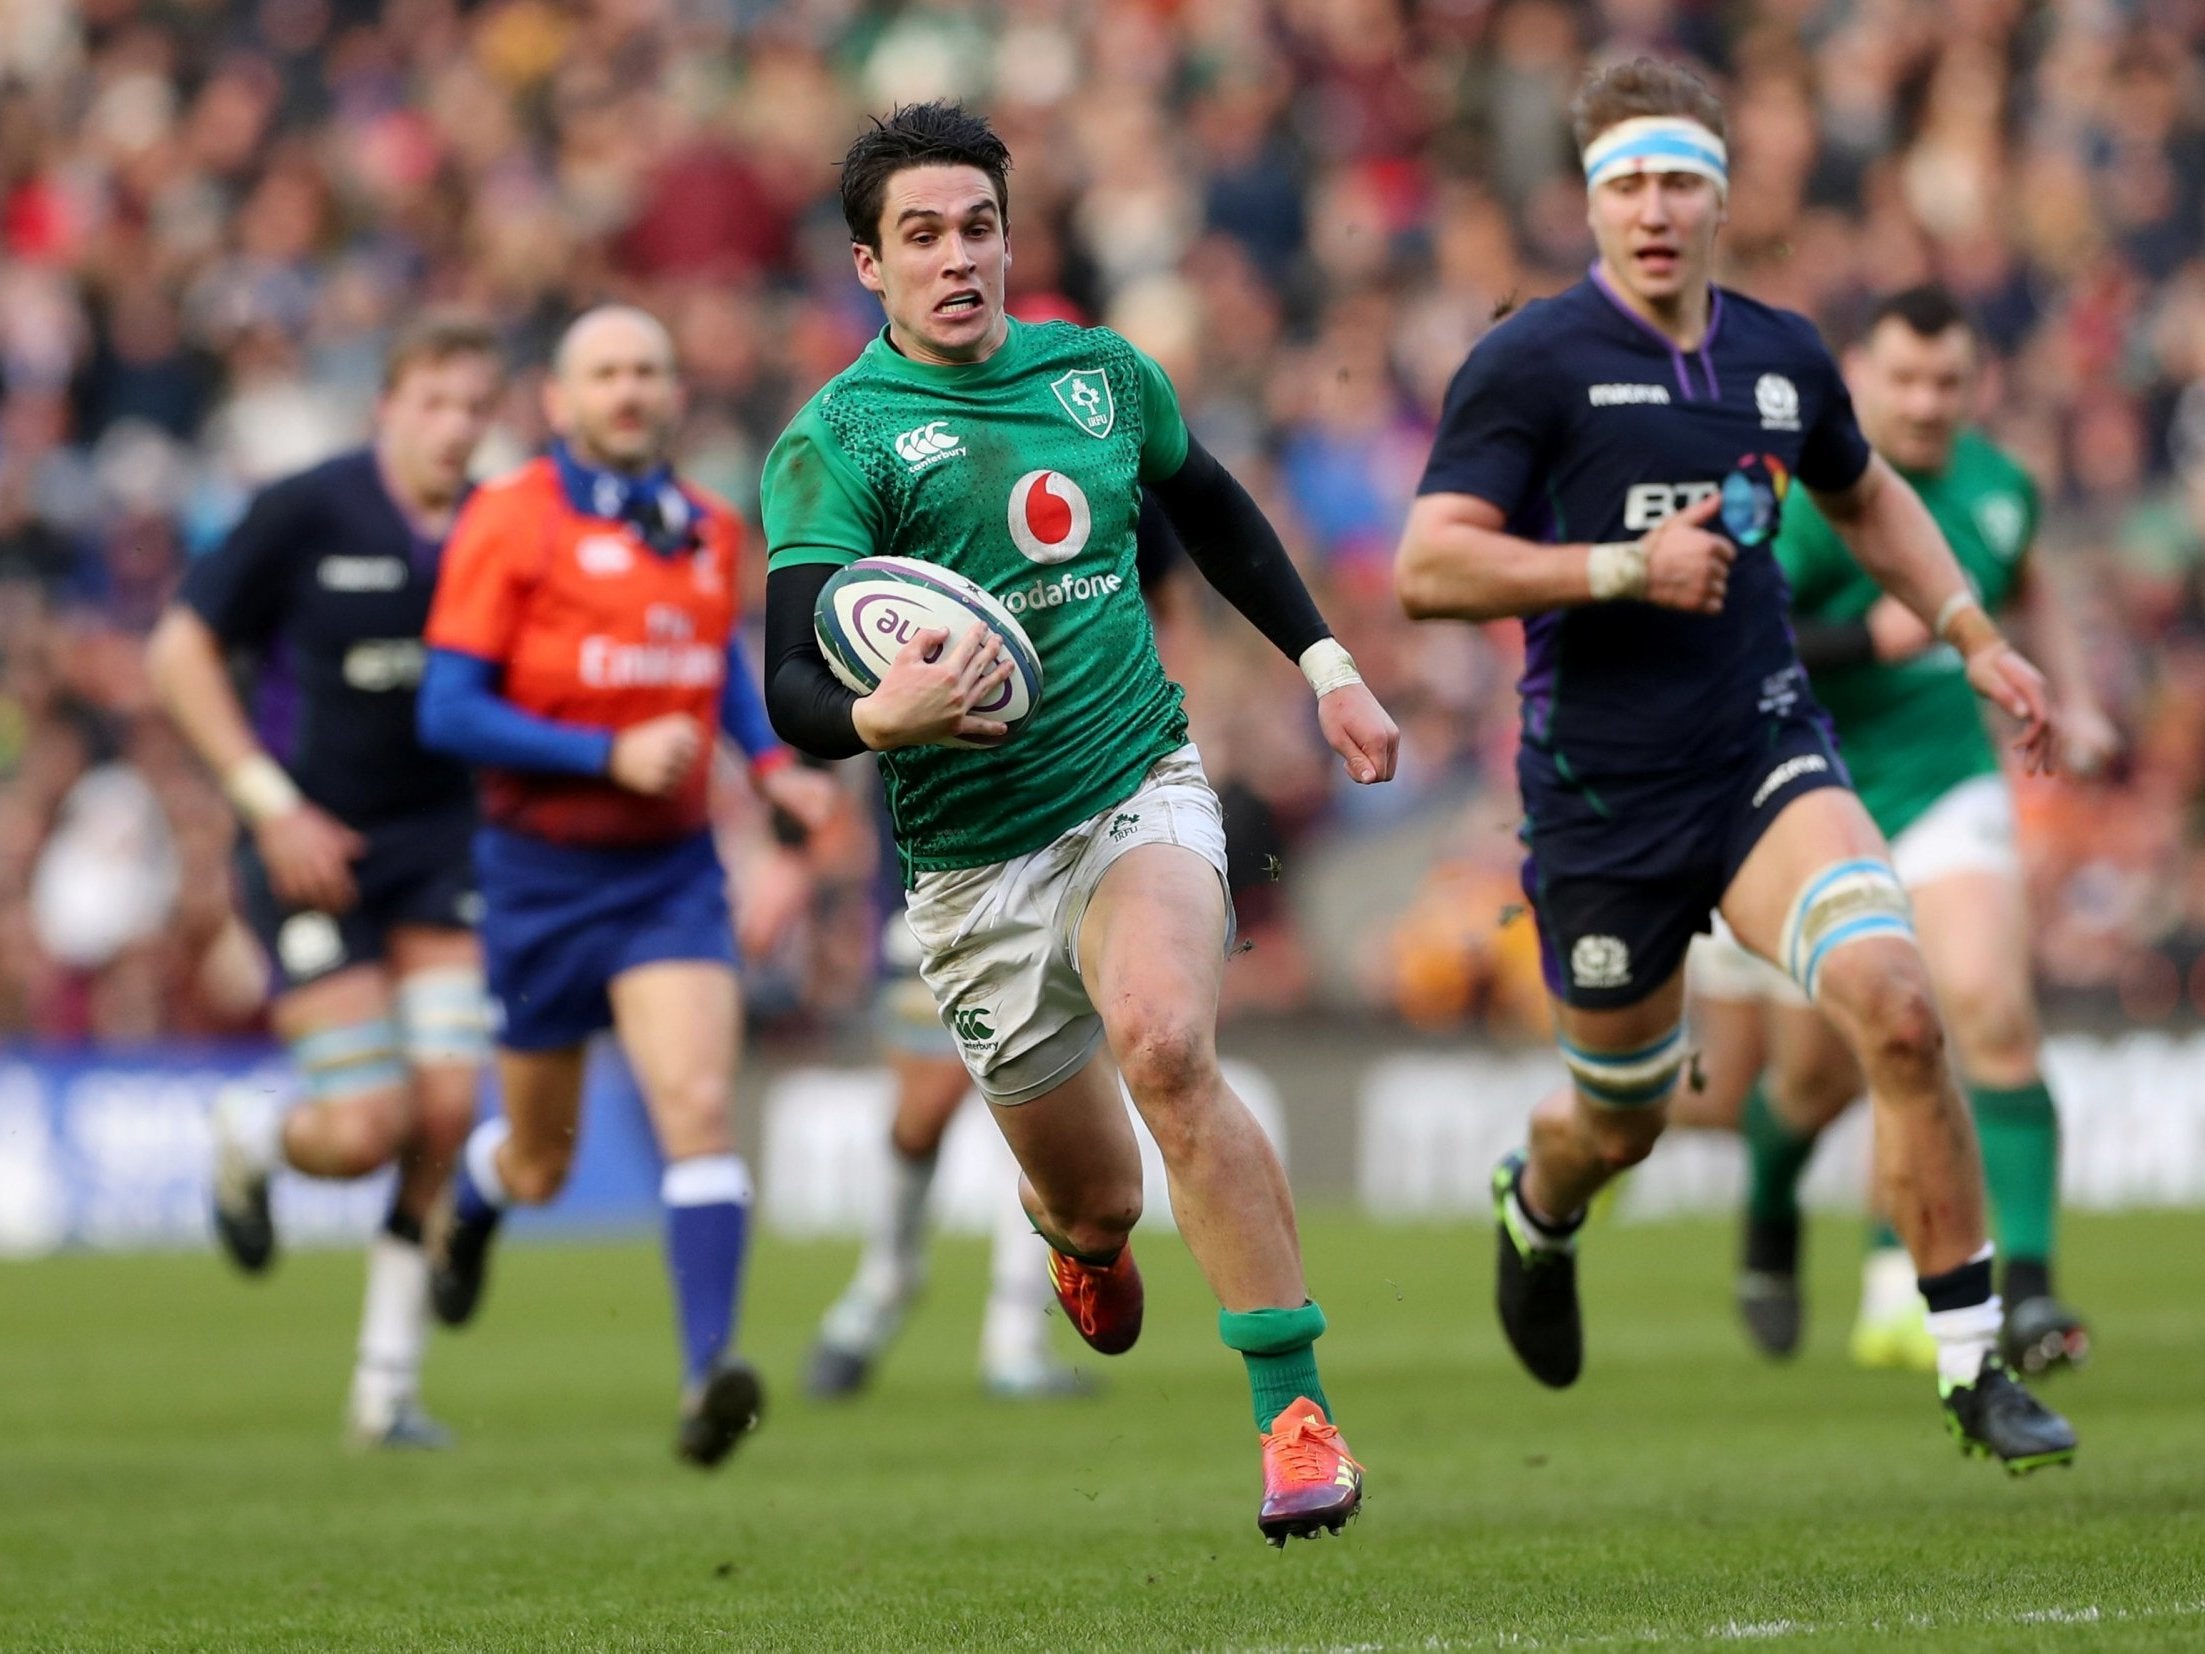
{"type": "Point", "coordinates": [213, 216]}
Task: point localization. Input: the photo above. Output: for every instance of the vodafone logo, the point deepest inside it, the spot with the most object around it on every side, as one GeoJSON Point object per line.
{"type": "Point", "coordinates": [1049, 517]}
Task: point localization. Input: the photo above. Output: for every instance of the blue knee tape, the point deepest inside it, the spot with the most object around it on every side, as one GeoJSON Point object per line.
{"type": "Point", "coordinates": [1628, 1079]}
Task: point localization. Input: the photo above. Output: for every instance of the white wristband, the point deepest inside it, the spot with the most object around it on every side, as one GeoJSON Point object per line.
{"type": "Point", "coordinates": [260, 789]}
{"type": "Point", "coordinates": [1617, 569]}
{"type": "Point", "coordinates": [1328, 666]}
{"type": "Point", "coordinates": [1958, 604]}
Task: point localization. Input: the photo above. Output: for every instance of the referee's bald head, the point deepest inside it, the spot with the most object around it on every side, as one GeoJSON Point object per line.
{"type": "Point", "coordinates": [613, 393]}
{"type": "Point", "coordinates": [620, 327]}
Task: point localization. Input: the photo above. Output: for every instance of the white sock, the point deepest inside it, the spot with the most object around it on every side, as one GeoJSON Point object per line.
{"type": "Point", "coordinates": [895, 1252]}
{"type": "Point", "coordinates": [253, 1121]}
{"type": "Point", "coordinates": [482, 1162]}
{"type": "Point", "coordinates": [1542, 1238]}
{"type": "Point", "coordinates": [1014, 1334]}
{"type": "Point", "coordinates": [394, 1330]}
{"type": "Point", "coordinates": [1966, 1336]}
{"type": "Point", "coordinates": [910, 1181]}
{"type": "Point", "coordinates": [1887, 1285]}
{"type": "Point", "coordinates": [871, 1307]}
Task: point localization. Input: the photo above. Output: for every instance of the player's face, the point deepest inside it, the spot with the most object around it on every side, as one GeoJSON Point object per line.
{"type": "Point", "coordinates": [1656, 233]}
{"type": "Point", "coordinates": [939, 271]}
{"type": "Point", "coordinates": [430, 423]}
{"type": "Point", "coordinates": [614, 395]}
{"type": "Point", "coordinates": [1913, 394]}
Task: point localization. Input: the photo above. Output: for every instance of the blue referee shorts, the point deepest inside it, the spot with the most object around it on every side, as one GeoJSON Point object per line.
{"type": "Point", "coordinates": [561, 921]}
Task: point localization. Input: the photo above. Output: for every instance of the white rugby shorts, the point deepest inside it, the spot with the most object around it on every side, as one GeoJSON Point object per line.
{"type": "Point", "coordinates": [999, 945]}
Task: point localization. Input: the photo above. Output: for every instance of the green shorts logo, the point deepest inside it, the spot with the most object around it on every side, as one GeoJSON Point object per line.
{"type": "Point", "coordinates": [1122, 824]}
{"type": "Point", "coordinates": [971, 1027]}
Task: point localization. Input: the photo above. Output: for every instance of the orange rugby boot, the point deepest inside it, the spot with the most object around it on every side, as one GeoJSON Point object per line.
{"type": "Point", "coordinates": [1311, 1482]}
{"type": "Point", "coordinates": [1103, 1301]}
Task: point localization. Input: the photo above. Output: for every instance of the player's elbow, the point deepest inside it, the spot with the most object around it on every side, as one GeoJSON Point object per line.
{"type": "Point", "coordinates": [172, 639]}
{"type": "Point", "coordinates": [1432, 586]}
{"type": "Point", "coordinates": [1413, 582]}
{"type": "Point", "coordinates": [437, 715]}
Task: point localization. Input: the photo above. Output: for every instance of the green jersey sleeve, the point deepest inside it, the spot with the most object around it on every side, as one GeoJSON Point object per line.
{"type": "Point", "coordinates": [817, 505]}
{"type": "Point", "coordinates": [1815, 561]}
{"type": "Point", "coordinates": [1164, 428]}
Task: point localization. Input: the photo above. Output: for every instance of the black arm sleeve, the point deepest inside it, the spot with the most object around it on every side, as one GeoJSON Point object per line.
{"type": "Point", "coordinates": [1156, 548]}
{"type": "Point", "coordinates": [1237, 551]}
{"type": "Point", "coordinates": [808, 704]}
{"type": "Point", "coordinates": [1824, 644]}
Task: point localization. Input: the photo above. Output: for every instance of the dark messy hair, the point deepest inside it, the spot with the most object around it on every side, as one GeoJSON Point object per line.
{"type": "Point", "coordinates": [434, 338]}
{"type": "Point", "coordinates": [918, 135]}
{"type": "Point", "coordinates": [1642, 86]}
{"type": "Point", "coordinates": [1927, 311]}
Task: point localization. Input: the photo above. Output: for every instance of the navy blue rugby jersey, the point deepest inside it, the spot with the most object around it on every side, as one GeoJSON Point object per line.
{"type": "Point", "coordinates": [328, 583]}
{"type": "Point", "coordinates": [1582, 423]}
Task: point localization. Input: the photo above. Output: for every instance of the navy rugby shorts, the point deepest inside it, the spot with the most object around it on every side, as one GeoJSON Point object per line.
{"type": "Point", "coordinates": [417, 871]}
{"type": "Point", "coordinates": [1623, 873]}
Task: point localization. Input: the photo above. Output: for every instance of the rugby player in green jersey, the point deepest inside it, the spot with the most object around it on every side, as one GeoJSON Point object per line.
{"type": "Point", "coordinates": [1066, 887]}
{"type": "Point", "coordinates": [1913, 737]}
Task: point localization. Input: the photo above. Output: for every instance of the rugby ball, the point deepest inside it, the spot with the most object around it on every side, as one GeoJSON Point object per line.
{"type": "Point", "coordinates": [870, 609]}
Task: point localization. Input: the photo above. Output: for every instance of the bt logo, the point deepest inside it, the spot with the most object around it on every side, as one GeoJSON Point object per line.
{"type": "Point", "coordinates": [1650, 503]}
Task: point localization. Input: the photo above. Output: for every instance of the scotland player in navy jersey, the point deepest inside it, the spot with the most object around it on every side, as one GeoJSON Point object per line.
{"type": "Point", "coordinates": [354, 870]}
{"type": "Point", "coordinates": [1611, 466]}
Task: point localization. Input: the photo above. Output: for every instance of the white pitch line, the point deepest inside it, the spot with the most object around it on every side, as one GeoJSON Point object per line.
{"type": "Point", "coordinates": [1742, 1631]}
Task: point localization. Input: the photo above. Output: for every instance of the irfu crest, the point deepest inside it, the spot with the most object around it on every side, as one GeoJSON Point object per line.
{"type": "Point", "coordinates": [1085, 394]}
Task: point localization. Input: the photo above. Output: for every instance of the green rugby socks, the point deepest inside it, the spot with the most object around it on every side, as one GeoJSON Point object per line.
{"type": "Point", "coordinates": [1279, 1346]}
{"type": "Point", "coordinates": [1776, 1157]}
{"type": "Point", "coordinates": [2020, 1132]}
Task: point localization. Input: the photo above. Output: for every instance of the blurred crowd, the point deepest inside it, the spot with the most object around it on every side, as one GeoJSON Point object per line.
{"type": "Point", "coordinates": [212, 212]}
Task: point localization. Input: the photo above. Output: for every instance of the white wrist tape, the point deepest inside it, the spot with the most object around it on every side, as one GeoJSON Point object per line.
{"type": "Point", "coordinates": [260, 789]}
{"type": "Point", "coordinates": [1958, 604]}
{"type": "Point", "coordinates": [1617, 569]}
{"type": "Point", "coordinates": [1328, 666]}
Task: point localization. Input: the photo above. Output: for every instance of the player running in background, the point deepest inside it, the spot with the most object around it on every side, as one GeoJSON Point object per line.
{"type": "Point", "coordinates": [354, 870]}
{"type": "Point", "coordinates": [1611, 465]}
{"type": "Point", "coordinates": [583, 653]}
{"type": "Point", "coordinates": [930, 1084]}
{"type": "Point", "coordinates": [1913, 737]}
{"type": "Point", "coordinates": [1067, 888]}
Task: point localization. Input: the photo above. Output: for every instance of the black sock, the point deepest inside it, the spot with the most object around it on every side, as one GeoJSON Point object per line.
{"type": "Point", "coordinates": [1772, 1247]}
{"type": "Point", "coordinates": [2027, 1278]}
{"type": "Point", "coordinates": [1961, 1288]}
{"type": "Point", "coordinates": [401, 1225]}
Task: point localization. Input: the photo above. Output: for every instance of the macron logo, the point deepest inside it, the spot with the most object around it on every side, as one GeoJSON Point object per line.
{"type": "Point", "coordinates": [930, 444]}
{"type": "Point", "coordinates": [1626, 396]}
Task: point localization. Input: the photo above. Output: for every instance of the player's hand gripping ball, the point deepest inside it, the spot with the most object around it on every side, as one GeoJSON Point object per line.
{"type": "Point", "coordinates": [870, 610]}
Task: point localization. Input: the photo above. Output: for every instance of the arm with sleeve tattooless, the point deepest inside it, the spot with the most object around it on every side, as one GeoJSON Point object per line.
{"type": "Point", "coordinates": [809, 705]}
{"type": "Point", "coordinates": [460, 712]}
{"type": "Point", "coordinates": [743, 714]}
{"type": "Point", "coordinates": [1235, 548]}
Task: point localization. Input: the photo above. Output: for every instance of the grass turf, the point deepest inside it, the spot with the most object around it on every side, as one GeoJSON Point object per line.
{"type": "Point", "coordinates": [169, 1474]}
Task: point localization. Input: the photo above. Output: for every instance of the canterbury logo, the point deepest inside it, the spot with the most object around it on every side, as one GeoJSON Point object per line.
{"type": "Point", "coordinates": [971, 1027]}
{"type": "Point", "coordinates": [931, 442]}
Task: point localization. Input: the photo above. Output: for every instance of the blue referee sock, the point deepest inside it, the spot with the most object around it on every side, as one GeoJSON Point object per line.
{"type": "Point", "coordinates": [707, 1230]}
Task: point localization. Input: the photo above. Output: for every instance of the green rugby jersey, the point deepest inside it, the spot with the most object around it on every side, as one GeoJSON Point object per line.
{"type": "Point", "coordinates": [1913, 730]}
{"type": "Point", "coordinates": [1023, 473]}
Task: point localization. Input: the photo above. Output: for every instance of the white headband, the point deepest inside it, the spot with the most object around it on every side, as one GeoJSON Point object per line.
{"type": "Point", "coordinates": [1657, 143]}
